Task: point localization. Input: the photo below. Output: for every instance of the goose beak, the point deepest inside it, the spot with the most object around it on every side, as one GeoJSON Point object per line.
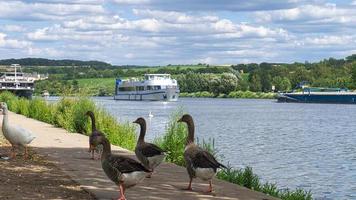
{"type": "Point", "coordinates": [136, 122]}
{"type": "Point", "coordinates": [180, 120]}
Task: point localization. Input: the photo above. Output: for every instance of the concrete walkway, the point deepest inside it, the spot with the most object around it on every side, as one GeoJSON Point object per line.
{"type": "Point", "coordinates": [69, 151]}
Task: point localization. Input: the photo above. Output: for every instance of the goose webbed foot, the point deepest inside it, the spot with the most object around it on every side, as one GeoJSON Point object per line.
{"type": "Point", "coordinates": [189, 188]}
{"type": "Point", "coordinates": [210, 189]}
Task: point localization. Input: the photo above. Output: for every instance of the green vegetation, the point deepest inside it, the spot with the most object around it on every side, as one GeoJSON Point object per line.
{"type": "Point", "coordinates": [245, 177]}
{"type": "Point", "coordinates": [174, 142]}
{"type": "Point", "coordinates": [69, 113]}
{"type": "Point", "coordinates": [98, 86]}
{"type": "Point", "coordinates": [174, 139]}
{"type": "Point", "coordinates": [234, 94]}
{"type": "Point", "coordinates": [92, 86]}
{"type": "Point", "coordinates": [48, 62]}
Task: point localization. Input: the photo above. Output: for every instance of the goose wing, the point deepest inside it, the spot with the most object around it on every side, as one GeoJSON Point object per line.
{"type": "Point", "coordinates": [203, 159]}
{"type": "Point", "coordinates": [20, 134]}
{"type": "Point", "coordinates": [125, 164]}
{"type": "Point", "coordinates": [150, 150]}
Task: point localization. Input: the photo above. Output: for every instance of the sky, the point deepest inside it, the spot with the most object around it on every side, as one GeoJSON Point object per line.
{"type": "Point", "coordinates": [161, 32]}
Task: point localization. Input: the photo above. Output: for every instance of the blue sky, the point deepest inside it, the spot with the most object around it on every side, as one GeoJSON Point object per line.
{"type": "Point", "coordinates": [160, 32]}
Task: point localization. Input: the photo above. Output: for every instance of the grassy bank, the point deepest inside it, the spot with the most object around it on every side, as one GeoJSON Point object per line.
{"type": "Point", "coordinates": [235, 94]}
{"type": "Point", "coordinates": [173, 141]}
{"type": "Point", "coordinates": [69, 113]}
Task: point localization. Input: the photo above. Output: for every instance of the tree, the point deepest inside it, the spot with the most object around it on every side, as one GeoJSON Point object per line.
{"type": "Point", "coordinates": [254, 80]}
{"type": "Point", "coordinates": [281, 83]}
{"type": "Point", "coordinates": [353, 75]}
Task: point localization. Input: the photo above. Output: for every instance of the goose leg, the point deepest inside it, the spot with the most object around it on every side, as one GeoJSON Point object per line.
{"type": "Point", "coordinates": [13, 153]}
{"type": "Point", "coordinates": [190, 185]}
{"type": "Point", "coordinates": [210, 189]}
{"type": "Point", "coordinates": [26, 153]}
{"type": "Point", "coordinates": [122, 192]}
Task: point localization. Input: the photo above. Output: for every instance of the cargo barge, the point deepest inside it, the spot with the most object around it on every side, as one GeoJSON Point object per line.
{"type": "Point", "coordinates": [319, 95]}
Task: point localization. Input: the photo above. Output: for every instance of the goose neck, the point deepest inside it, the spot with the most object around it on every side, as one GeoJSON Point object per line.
{"type": "Point", "coordinates": [141, 138]}
{"type": "Point", "coordinates": [190, 137]}
{"type": "Point", "coordinates": [92, 117]}
{"type": "Point", "coordinates": [5, 119]}
{"type": "Point", "coordinates": [106, 149]}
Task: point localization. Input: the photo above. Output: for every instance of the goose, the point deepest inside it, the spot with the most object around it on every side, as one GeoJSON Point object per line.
{"type": "Point", "coordinates": [15, 134]}
{"type": "Point", "coordinates": [122, 170]}
{"type": "Point", "coordinates": [199, 162]}
{"type": "Point", "coordinates": [93, 147]}
{"type": "Point", "coordinates": [148, 154]}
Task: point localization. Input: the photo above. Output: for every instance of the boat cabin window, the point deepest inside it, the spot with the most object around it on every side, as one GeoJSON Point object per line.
{"type": "Point", "coordinates": [153, 87]}
{"type": "Point", "coordinates": [157, 76]}
{"type": "Point", "coordinates": [123, 89]}
{"type": "Point", "coordinates": [140, 88]}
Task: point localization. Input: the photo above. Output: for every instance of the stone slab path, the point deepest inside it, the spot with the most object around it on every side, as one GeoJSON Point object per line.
{"type": "Point", "coordinates": [69, 151]}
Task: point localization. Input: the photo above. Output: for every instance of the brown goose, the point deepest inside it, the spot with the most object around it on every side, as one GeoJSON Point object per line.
{"type": "Point", "coordinates": [199, 162]}
{"type": "Point", "coordinates": [123, 171]}
{"type": "Point", "coordinates": [149, 154]}
{"type": "Point", "coordinates": [93, 147]}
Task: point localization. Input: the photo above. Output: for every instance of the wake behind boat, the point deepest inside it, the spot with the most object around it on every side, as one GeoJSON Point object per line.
{"type": "Point", "coordinates": [154, 87]}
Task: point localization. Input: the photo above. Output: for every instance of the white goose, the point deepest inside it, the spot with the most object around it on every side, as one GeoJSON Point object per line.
{"type": "Point", "coordinates": [15, 134]}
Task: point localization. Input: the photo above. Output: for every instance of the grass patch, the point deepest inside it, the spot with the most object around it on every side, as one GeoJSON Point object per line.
{"type": "Point", "coordinates": [245, 177]}
{"type": "Point", "coordinates": [69, 113]}
{"type": "Point", "coordinates": [173, 141]}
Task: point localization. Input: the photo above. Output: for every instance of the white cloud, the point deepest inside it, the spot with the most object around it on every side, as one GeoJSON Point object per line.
{"type": "Point", "coordinates": [5, 42]}
{"type": "Point", "coordinates": [174, 17]}
{"type": "Point", "coordinates": [45, 11]}
{"type": "Point", "coordinates": [331, 40]}
{"type": "Point", "coordinates": [13, 28]}
{"type": "Point", "coordinates": [158, 31]}
{"type": "Point", "coordinates": [310, 13]}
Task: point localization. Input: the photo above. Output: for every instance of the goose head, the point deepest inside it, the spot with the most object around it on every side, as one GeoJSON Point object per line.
{"type": "Point", "coordinates": [89, 113]}
{"type": "Point", "coordinates": [186, 118]}
{"type": "Point", "coordinates": [3, 108]}
{"type": "Point", "coordinates": [189, 120]}
{"type": "Point", "coordinates": [139, 121]}
{"type": "Point", "coordinates": [142, 122]}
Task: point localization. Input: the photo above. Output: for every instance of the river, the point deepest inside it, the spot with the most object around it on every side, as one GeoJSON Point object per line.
{"type": "Point", "coordinates": [310, 146]}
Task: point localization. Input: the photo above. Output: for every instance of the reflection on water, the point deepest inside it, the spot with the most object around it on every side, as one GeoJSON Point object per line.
{"type": "Point", "coordinates": [295, 145]}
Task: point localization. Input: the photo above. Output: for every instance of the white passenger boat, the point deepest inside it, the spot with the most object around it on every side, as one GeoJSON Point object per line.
{"type": "Point", "coordinates": [17, 82]}
{"type": "Point", "coordinates": [154, 87]}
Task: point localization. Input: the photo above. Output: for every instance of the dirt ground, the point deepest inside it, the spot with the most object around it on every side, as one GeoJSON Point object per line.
{"type": "Point", "coordinates": [35, 178]}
